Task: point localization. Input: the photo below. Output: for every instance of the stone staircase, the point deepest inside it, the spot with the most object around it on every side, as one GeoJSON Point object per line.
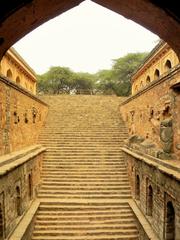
{"type": "Point", "coordinates": [85, 188]}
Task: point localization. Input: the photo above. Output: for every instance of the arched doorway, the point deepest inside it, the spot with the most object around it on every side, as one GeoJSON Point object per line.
{"type": "Point", "coordinates": [137, 187]}
{"type": "Point", "coordinates": [1, 222]}
{"type": "Point", "coordinates": [170, 222]}
{"type": "Point", "coordinates": [18, 201]}
{"type": "Point", "coordinates": [150, 201]}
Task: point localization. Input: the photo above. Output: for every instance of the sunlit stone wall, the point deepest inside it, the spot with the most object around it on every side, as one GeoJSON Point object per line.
{"type": "Point", "coordinates": [14, 67]}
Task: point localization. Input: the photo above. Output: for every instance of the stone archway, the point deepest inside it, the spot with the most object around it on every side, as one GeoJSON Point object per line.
{"type": "Point", "coordinates": [19, 17]}
{"type": "Point", "coordinates": [170, 222]}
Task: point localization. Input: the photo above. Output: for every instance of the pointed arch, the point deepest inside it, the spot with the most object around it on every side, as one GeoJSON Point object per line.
{"type": "Point", "coordinates": [9, 74]}
{"type": "Point", "coordinates": [18, 80]}
{"type": "Point", "coordinates": [148, 79]}
{"type": "Point", "coordinates": [156, 74]}
{"type": "Point", "coordinates": [167, 65]}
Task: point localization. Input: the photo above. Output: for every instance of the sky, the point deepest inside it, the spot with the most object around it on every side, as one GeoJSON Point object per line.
{"type": "Point", "coordinates": [86, 39]}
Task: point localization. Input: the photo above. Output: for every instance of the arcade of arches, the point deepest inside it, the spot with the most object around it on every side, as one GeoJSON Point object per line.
{"type": "Point", "coordinates": [16, 69]}
{"type": "Point", "coordinates": [151, 114]}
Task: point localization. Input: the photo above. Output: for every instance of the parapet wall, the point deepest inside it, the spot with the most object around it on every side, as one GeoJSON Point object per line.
{"type": "Point", "coordinates": [153, 113]}
{"type": "Point", "coordinates": [155, 187]}
{"type": "Point", "coordinates": [22, 116]}
{"type": "Point", "coordinates": [19, 183]}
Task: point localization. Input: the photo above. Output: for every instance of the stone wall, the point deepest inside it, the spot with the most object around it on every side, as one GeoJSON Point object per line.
{"type": "Point", "coordinates": [19, 183]}
{"type": "Point", "coordinates": [153, 114]}
{"type": "Point", "coordinates": [156, 190]}
{"type": "Point", "coordinates": [21, 117]}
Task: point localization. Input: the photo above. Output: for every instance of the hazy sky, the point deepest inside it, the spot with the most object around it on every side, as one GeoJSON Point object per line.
{"type": "Point", "coordinates": [85, 38]}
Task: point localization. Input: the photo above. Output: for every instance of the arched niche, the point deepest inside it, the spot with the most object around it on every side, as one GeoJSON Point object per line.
{"type": "Point", "coordinates": [18, 80]}
{"type": "Point", "coordinates": [148, 79]}
{"type": "Point", "coordinates": [156, 74]}
{"type": "Point", "coordinates": [150, 201]}
{"type": "Point", "coordinates": [9, 74]}
{"type": "Point", "coordinates": [137, 187]}
{"type": "Point", "coordinates": [167, 65]}
{"type": "Point", "coordinates": [30, 186]}
{"type": "Point", "coordinates": [170, 222]}
{"type": "Point", "coordinates": [18, 201]}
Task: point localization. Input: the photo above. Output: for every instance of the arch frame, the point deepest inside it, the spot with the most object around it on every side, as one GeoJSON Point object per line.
{"type": "Point", "coordinates": [20, 18]}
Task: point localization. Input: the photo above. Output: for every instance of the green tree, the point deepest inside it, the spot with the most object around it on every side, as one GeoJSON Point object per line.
{"type": "Point", "coordinates": [57, 80]}
{"type": "Point", "coordinates": [104, 82]}
{"type": "Point", "coordinates": [117, 80]}
{"type": "Point", "coordinates": [83, 83]}
{"type": "Point", "coordinates": [123, 68]}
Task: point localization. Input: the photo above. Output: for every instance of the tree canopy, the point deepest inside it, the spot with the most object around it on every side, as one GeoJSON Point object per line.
{"type": "Point", "coordinates": [117, 80]}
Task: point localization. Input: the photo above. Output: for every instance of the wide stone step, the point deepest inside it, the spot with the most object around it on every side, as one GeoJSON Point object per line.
{"type": "Point", "coordinates": [83, 169]}
{"type": "Point", "coordinates": [110, 132]}
{"type": "Point", "coordinates": [68, 154]}
{"type": "Point", "coordinates": [83, 207]}
{"type": "Point", "coordinates": [83, 172]}
{"type": "Point", "coordinates": [84, 196]}
{"type": "Point", "coordinates": [90, 137]}
{"type": "Point", "coordinates": [87, 232]}
{"type": "Point", "coordinates": [86, 178]}
{"type": "Point", "coordinates": [87, 141]}
{"type": "Point", "coordinates": [85, 151]}
{"type": "Point", "coordinates": [87, 227]}
{"type": "Point", "coordinates": [83, 184]}
{"type": "Point", "coordinates": [123, 217]}
{"type": "Point", "coordinates": [85, 188]}
{"type": "Point", "coordinates": [88, 147]}
{"type": "Point", "coordinates": [105, 237]}
{"type": "Point", "coordinates": [106, 158]}
{"type": "Point", "coordinates": [84, 191]}
{"type": "Point", "coordinates": [71, 165]}
{"type": "Point", "coordinates": [82, 212]}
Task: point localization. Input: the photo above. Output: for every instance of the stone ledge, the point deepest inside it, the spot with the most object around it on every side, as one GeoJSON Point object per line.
{"type": "Point", "coordinates": [169, 167]}
{"type": "Point", "coordinates": [143, 221]}
{"type": "Point", "coordinates": [13, 160]}
{"type": "Point", "coordinates": [24, 224]}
